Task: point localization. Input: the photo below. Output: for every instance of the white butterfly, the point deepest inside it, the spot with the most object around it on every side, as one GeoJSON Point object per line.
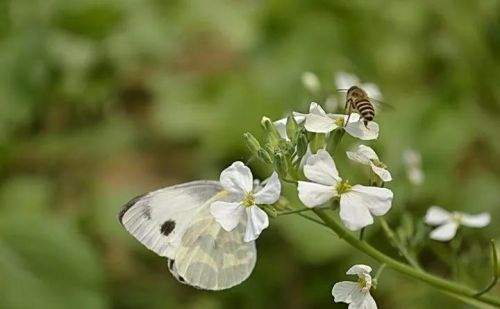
{"type": "Point", "coordinates": [175, 222]}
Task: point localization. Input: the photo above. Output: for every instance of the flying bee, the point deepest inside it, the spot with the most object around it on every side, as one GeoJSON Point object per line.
{"type": "Point", "coordinates": [358, 100]}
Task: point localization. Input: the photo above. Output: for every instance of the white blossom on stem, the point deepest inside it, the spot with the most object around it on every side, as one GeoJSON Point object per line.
{"type": "Point", "coordinates": [356, 294]}
{"type": "Point", "coordinates": [318, 121]}
{"type": "Point", "coordinates": [358, 204]}
{"type": "Point", "coordinates": [237, 180]}
{"type": "Point", "coordinates": [367, 156]}
{"type": "Point", "coordinates": [448, 222]}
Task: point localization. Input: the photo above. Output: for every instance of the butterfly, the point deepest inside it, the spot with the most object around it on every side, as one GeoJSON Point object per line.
{"type": "Point", "coordinates": [175, 222]}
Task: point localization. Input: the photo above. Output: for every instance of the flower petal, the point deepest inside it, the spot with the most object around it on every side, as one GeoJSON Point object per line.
{"type": "Point", "coordinates": [315, 108]}
{"type": "Point", "coordinates": [354, 215]}
{"type": "Point", "coordinates": [237, 178]}
{"type": "Point", "coordinates": [257, 221]}
{"type": "Point", "coordinates": [362, 154]}
{"type": "Point", "coordinates": [319, 123]}
{"type": "Point", "coordinates": [313, 194]}
{"type": "Point", "coordinates": [280, 126]}
{"type": "Point", "coordinates": [377, 200]}
{"type": "Point", "coordinates": [271, 191]}
{"type": "Point", "coordinates": [373, 91]}
{"type": "Point", "coordinates": [321, 168]}
{"type": "Point", "coordinates": [359, 300]}
{"type": "Point", "coordinates": [479, 220]}
{"type": "Point", "coordinates": [359, 130]}
{"type": "Point", "coordinates": [381, 172]}
{"type": "Point", "coordinates": [363, 301]}
{"type": "Point", "coordinates": [342, 291]}
{"type": "Point", "coordinates": [227, 214]}
{"type": "Point", "coordinates": [445, 232]}
{"type": "Point", "coordinates": [345, 80]}
{"type": "Point", "coordinates": [437, 216]}
{"type": "Point", "coordinates": [359, 269]}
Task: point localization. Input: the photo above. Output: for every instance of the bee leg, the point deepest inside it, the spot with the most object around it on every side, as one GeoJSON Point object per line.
{"type": "Point", "coordinates": [348, 110]}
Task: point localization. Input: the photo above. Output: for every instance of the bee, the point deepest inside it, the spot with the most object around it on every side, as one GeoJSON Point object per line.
{"type": "Point", "coordinates": [357, 99]}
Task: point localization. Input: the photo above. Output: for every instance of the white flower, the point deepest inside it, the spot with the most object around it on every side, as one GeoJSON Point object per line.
{"type": "Point", "coordinates": [345, 81]}
{"type": "Point", "coordinates": [448, 223]}
{"type": "Point", "coordinates": [319, 121]}
{"type": "Point", "coordinates": [413, 164]}
{"type": "Point", "coordinates": [311, 81]}
{"type": "Point", "coordinates": [356, 294]}
{"type": "Point", "coordinates": [357, 203]}
{"type": "Point", "coordinates": [366, 155]}
{"type": "Point", "coordinates": [237, 180]}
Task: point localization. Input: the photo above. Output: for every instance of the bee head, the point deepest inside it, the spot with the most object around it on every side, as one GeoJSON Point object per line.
{"type": "Point", "coordinates": [356, 92]}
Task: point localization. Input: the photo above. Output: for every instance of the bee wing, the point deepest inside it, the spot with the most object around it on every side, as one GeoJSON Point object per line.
{"type": "Point", "coordinates": [379, 105]}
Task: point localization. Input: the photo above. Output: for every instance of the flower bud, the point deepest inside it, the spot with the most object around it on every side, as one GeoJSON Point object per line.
{"type": "Point", "coordinates": [318, 142]}
{"type": "Point", "coordinates": [264, 156]}
{"type": "Point", "coordinates": [252, 143]}
{"type": "Point", "coordinates": [281, 163]}
{"type": "Point", "coordinates": [272, 134]}
{"type": "Point", "coordinates": [270, 210]}
{"type": "Point", "coordinates": [291, 128]}
{"type": "Point", "coordinates": [302, 144]}
{"type": "Point", "coordinates": [281, 204]}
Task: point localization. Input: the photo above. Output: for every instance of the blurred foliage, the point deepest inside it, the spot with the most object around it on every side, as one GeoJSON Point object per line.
{"type": "Point", "coordinates": [102, 100]}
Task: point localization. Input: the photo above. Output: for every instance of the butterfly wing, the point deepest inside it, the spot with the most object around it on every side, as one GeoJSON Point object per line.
{"type": "Point", "coordinates": [211, 258]}
{"type": "Point", "coordinates": [159, 219]}
{"type": "Point", "coordinates": [175, 222]}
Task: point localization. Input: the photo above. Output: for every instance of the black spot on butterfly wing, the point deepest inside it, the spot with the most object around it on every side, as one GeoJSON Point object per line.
{"type": "Point", "coordinates": [131, 203]}
{"type": "Point", "coordinates": [167, 227]}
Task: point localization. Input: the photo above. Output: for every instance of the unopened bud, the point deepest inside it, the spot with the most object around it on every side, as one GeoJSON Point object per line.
{"type": "Point", "coordinates": [281, 163]}
{"type": "Point", "coordinates": [281, 204]}
{"type": "Point", "coordinates": [291, 128]}
{"type": "Point", "coordinates": [264, 156]}
{"type": "Point", "coordinates": [318, 142]}
{"type": "Point", "coordinates": [270, 210]}
{"type": "Point", "coordinates": [272, 134]}
{"type": "Point", "coordinates": [252, 143]}
{"type": "Point", "coordinates": [302, 144]}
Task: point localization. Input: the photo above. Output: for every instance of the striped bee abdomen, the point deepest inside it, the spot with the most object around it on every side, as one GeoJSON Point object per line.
{"type": "Point", "coordinates": [365, 109]}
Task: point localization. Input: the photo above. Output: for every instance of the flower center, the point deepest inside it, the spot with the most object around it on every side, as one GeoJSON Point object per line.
{"type": "Point", "coordinates": [339, 122]}
{"type": "Point", "coordinates": [457, 217]}
{"type": "Point", "coordinates": [377, 163]}
{"type": "Point", "coordinates": [343, 187]}
{"type": "Point", "coordinates": [365, 284]}
{"type": "Point", "coordinates": [249, 200]}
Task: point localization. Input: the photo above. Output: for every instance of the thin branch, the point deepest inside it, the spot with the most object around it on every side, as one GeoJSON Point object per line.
{"type": "Point", "coordinates": [284, 213]}
{"type": "Point", "coordinates": [402, 250]}
{"type": "Point", "coordinates": [312, 219]}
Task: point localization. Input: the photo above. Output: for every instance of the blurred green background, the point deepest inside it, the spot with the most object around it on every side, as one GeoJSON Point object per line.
{"type": "Point", "coordinates": [103, 100]}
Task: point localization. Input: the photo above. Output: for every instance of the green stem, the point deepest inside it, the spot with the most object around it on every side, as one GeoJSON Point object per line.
{"type": "Point", "coordinates": [312, 219]}
{"type": "Point", "coordinates": [379, 271]}
{"type": "Point", "coordinates": [283, 213]}
{"type": "Point", "coordinates": [439, 283]}
{"type": "Point", "coordinates": [402, 250]}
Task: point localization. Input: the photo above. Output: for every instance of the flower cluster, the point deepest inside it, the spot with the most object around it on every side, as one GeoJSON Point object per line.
{"type": "Point", "coordinates": [300, 149]}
